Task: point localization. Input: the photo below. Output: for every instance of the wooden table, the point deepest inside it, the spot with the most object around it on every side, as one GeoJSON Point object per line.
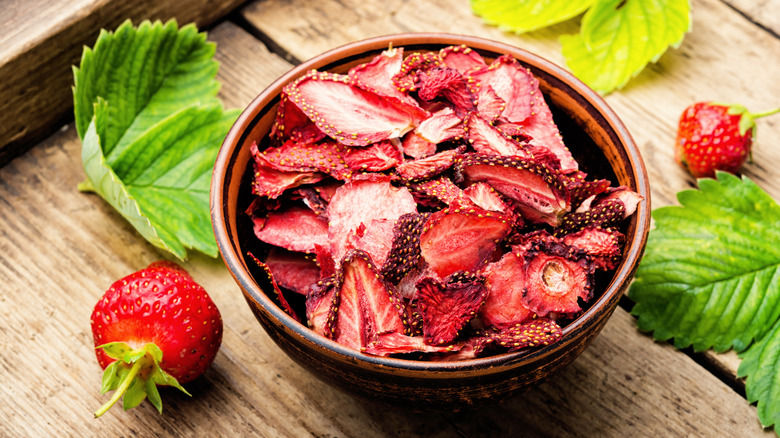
{"type": "Point", "coordinates": [60, 249]}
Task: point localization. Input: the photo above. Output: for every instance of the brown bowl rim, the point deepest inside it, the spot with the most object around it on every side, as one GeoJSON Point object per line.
{"type": "Point", "coordinates": [235, 262]}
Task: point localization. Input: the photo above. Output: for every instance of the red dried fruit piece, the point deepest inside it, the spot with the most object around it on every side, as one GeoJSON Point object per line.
{"type": "Point", "coordinates": [604, 211]}
{"type": "Point", "coordinates": [324, 260]}
{"type": "Point", "coordinates": [325, 156]}
{"type": "Point", "coordinates": [326, 189]}
{"type": "Point", "coordinates": [349, 114]}
{"type": "Point", "coordinates": [505, 281]}
{"type": "Point", "coordinates": [406, 80]}
{"type": "Point", "coordinates": [462, 58]}
{"type": "Point", "coordinates": [536, 189]}
{"type": "Point", "coordinates": [375, 239]}
{"type": "Point", "coordinates": [443, 125]}
{"type": "Point", "coordinates": [404, 253]}
{"type": "Point", "coordinates": [271, 183]}
{"type": "Point", "coordinates": [525, 104]}
{"type": "Point", "coordinates": [557, 275]}
{"type": "Point", "coordinates": [489, 140]}
{"type": "Point", "coordinates": [312, 199]}
{"type": "Point", "coordinates": [490, 105]}
{"type": "Point", "coordinates": [441, 189]}
{"type": "Point", "coordinates": [292, 270]}
{"type": "Point", "coordinates": [602, 245]}
{"type": "Point", "coordinates": [416, 146]}
{"type": "Point", "coordinates": [485, 196]}
{"type": "Point", "coordinates": [283, 303]}
{"type": "Point", "coordinates": [426, 168]}
{"type": "Point", "coordinates": [365, 198]}
{"type": "Point", "coordinates": [292, 124]}
{"type": "Point", "coordinates": [539, 332]}
{"type": "Point", "coordinates": [448, 84]}
{"type": "Point", "coordinates": [581, 188]}
{"type": "Point", "coordinates": [295, 228]}
{"type": "Point", "coordinates": [446, 308]}
{"type": "Point", "coordinates": [377, 157]}
{"type": "Point", "coordinates": [321, 305]}
{"type": "Point", "coordinates": [461, 238]}
{"type": "Point", "coordinates": [367, 306]}
{"type": "Point", "coordinates": [521, 243]}
{"type": "Point", "coordinates": [398, 343]}
{"type": "Point", "coordinates": [377, 75]}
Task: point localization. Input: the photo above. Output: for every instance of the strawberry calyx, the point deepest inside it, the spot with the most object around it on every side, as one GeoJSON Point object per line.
{"type": "Point", "coordinates": [134, 376]}
{"type": "Point", "coordinates": [747, 120]}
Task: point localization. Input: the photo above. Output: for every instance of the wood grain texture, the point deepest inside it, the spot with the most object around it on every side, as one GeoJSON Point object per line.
{"type": "Point", "coordinates": [724, 58]}
{"type": "Point", "coordinates": [41, 40]}
{"type": "Point", "coordinates": [765, 13]}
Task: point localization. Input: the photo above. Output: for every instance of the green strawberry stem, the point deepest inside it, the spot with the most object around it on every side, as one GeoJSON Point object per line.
{"type": "Point", "coordinates": [765, 113]}
{"type": "Point", "coordinates": [120, 391]}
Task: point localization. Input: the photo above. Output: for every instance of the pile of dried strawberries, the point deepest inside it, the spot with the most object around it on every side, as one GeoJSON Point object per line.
{"type": "Point", "coordinates": [427, 204]}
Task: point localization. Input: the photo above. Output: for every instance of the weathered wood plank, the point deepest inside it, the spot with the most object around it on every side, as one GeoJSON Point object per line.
{"type": "Point", "coordinates": [60, 249]}
{"type": "Point", "coordinates": [650, 105]}
{"type": "Point", "coordinates": [40, 41]}
{"type": "Point", "coordinates": [764, 13]}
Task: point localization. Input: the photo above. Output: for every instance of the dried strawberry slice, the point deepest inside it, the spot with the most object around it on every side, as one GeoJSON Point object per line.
{"type": "Point", "coordinates": [603, 245]}
{"type": "Point", "coordinates": [539, 332]}
{"type": "Point", "coordinates": [446, 308]}
{"type": "Point", "coordinates": [292, 124]}
{"type": "Point", "coordinates": [443, 125]}
{"type": "Point", "coordinates": [324, 260]}
{"type": "Point", "coordinates": [283, 303]}
{"type": "Point", "coordinates": [326, 189]}
{"type": "Point", "coordinates": [448, 84]}
{"type": "Point", "coordinates": [406, 80]}
{"type": "Point", "coordinates": [359, 201]}
{"type": "Point", "coordinates": [537, 190]}
{"type": "Point", "coordinates": [349, 114]}
{"type": "Point", "coordinates": [490, 105]}
{"type": "Point", "coordinates": [388, 344]}
{"type": "Point", "coordinates": [312, 199]}
{"type": "Point", "coordinates": [292, 270]}
{"type": "Point", "coordinates": [426, 168]}
{"type": "Point", "coordinates": [296, 228]}
{"type": "Point", "coordinates": [556, 276]}
{"type": "Point", "coordinates": [322, 305]}
{"type": "Point", "coordinates": [440, 189]}
{"type": "Point", "coordinates": [416, 146]}
{"type": "Point", "coordinates": [505, 281]}
{"type": "Point", "coordinates": [461, 238]}
{"type": "Point", "coordinates": [404, 253]}
{"type": "Point", "coordinates": [271, 183]}
{"type": "Point", "coordinates": [489, 140]}
{"type": "Point", "coordinates": [377, 75]}
{"type": "Point", "coordinates": [604, 210]}
{"type": "Point", "coordinates": [375, 239]}
{"type": "Point", "coordinates": [462, 58]}
{"type": "Point", "coordinates": [377, 157]}
{"type": "Point", "coordinates": [367, 306]}
{"type": "Point", "coordinates": [486, 197]}
{"type": "Point", "coordinates": [580, 188]}
{"type": "Point", "coordinates": [326, 156]}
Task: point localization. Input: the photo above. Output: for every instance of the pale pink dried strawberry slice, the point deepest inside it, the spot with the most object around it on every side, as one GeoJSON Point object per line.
{"type": "Point", "coordinates": [296, 228]}
{"type": "Point", "coordinates": [489, 104]}
{"type": "Point", "coordinates": [446, 308]}
{"type": "Point", "coordinates": [271, 183]}
{"type": "Point", "coordinates": [505, 281]}
{"type": "Point", "coordinates": [428, 167]}
{"type": "Point", "coordinates": [486, 139]}
{"type": "Point", "coordinates": [377, 75]}
{"type": "Point", "coordinates": [321, 305]}
{"type": "Point", "coordinates": [325, 156]}
{"type": "Point", "coordinates": [375, 239]}
{"type": "Point", "coordinates": [556, 277]}
{"type": "Point", "coordinates": [359, 201]}
{"type": "Point", "coordinates": [535, 333]}
{"type": "Point", "coordinates": [283, 303]}
{"type": "Point", "coordinates": [486, 197]}
{"type": "Point", "coordinates": [404, 252]}
{"type": "Point", "coordinates": [349, 114]}
{"type": "Point", "coordinates": [602, 245]}
{"type": "Point", "coordinates": [438, 190]}
{"type": "Point", "coordinates": [416, 146]}
{"type": "Point", "coordinates": [367, 306]}
{"type": "Point", "coordinates": [462, 58]}
{"type": "Point", "coordinates": [293, 270]}
{"type": "Point", "coordinates": [292, 124]}
{"type": "Point", "coordinates": [387, 344]}
{"type": "Point", "coordinates": [461, 238]}
{"type": "Point", "coordinates": [443, 125]}
{"type": "Point", "coordinates": [537, 190]}
{"type": "Point", "coordinates": [377, 157]}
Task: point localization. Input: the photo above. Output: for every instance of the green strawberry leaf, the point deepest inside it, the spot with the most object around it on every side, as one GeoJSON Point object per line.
{"type": "Point", "coordinates": [761, 364]}
{"type": "Point", "coordinates": [527, 15]}
{"type": "Point", "coordinates": [709, 277]}
{"type": "Point", "coordinates": [151, 126]}
{"type": "Point", "coordinates": [618, 38]}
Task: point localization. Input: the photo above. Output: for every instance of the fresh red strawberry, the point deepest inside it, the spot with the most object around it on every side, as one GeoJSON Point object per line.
{"type": "Point", "coordinates": [154, 327]}
{"type": "Point", "coordinates": [713, 136]}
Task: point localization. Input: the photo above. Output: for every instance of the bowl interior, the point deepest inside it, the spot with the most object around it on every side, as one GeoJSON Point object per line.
{"type": "Point", "coordinates": [591, 130]}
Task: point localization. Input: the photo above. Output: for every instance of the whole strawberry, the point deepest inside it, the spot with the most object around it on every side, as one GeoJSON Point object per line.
{"type": "Point", "coordinates": [153, 327]}
{"type": "Point", "coordinates": [713, 136]}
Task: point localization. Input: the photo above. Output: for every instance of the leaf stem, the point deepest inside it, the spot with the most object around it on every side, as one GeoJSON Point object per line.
{"type": "Point", "coordinates": [765, 113]}
{"type": "Point", "coordinates": [120, 391]}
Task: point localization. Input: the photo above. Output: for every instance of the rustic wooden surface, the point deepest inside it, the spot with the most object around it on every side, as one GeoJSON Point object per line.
{"type": "Point", "coordinates": [60, 249]}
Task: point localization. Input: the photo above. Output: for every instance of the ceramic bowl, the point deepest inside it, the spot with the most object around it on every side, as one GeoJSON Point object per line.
{"type": "Point", "coordinates": [594, 134]}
